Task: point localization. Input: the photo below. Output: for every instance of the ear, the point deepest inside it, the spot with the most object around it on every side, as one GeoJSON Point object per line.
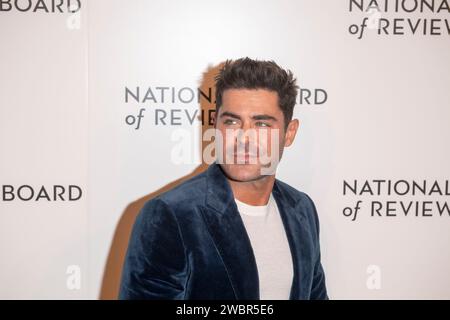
{"type": "Point", "coordinates": [291, 131]}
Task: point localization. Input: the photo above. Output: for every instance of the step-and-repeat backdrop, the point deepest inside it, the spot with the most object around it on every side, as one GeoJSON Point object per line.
{"type": "Point", "coordinates": [103, 104]}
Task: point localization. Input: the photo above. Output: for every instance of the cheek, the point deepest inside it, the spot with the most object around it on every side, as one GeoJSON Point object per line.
{"type": "Point", "coordinates": [228, 137]}
{"type": "Point", "coordinates": [228, 141]}
{"type": "Point", "coordinates": [273, 138]}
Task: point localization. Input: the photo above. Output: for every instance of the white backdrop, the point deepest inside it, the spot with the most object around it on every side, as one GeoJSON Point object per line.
{"type": "Point", "coordinates": [381, 113]}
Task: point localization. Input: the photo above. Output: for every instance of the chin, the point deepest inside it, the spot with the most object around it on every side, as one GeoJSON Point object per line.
{"type": "Point", "coordinates": [242, 172]}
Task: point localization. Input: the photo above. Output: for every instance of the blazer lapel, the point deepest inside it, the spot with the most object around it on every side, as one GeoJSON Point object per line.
{"type": "Point", "coordinates": [229, 235]}
{"type": "Point", "coordinates": [298, 237]}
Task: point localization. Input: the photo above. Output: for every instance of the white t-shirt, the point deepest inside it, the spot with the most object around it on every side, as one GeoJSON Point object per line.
{"type": "Point", "coordinates": [270, 247]}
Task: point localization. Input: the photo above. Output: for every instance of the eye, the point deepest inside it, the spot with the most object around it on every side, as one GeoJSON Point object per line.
{"type": "Point", "coordinates": [230, 122]}
{"type": "Point", "coordinates": [262, 124]}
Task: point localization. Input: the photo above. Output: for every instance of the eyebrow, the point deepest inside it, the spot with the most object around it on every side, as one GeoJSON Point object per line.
{"type": "Point", "coordinates": [255, 117]}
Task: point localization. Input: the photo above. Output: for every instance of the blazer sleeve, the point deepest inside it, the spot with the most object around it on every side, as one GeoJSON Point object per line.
{"type": "Point", "coordinates": [155, 264]}
{"type": "Point", "coordinates": [318, 289]}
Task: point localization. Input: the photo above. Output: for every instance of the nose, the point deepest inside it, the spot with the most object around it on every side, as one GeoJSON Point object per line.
{"type": "Point", "coordinates": [242, 136]}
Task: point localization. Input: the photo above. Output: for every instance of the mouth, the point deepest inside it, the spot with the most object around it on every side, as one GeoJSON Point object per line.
{"type": "Point", "coordinates": [245, 157]}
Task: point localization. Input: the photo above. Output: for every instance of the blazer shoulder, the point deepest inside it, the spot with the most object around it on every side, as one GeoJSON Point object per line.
{"type": "Point", "coordinates": [296, 195]}
{"type": "Point", "coordinates": [301, 199]}
{"type": "Point", "coordinates": [189, 192]}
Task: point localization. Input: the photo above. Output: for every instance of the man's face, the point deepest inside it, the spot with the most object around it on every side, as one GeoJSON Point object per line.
{"type": "Point", "coordinates": [252, 127]}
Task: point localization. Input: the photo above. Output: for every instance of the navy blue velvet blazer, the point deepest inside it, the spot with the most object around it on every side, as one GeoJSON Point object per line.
{"type": "Point", "coordinates": [191, 243]}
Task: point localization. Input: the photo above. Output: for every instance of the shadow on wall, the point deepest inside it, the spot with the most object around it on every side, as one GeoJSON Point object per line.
{"type": "Point", "coordinates": [114, 263]}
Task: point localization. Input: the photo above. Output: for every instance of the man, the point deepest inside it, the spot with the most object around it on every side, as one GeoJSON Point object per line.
{"type": "Point", "coordinates": [233, 231]}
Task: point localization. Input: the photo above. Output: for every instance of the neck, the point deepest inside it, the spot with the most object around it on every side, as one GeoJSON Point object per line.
{"type": "Point", "coordinates": [255, 193]}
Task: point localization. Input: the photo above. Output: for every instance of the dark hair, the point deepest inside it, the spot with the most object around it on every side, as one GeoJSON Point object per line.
{"type": "Point", "coordinates": [246, 73]}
